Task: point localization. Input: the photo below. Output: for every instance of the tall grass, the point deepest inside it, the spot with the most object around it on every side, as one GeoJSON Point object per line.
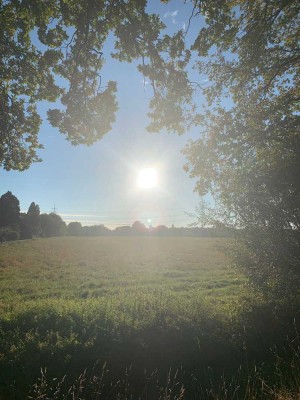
{"type": "Point", "coordinates": [243, 385]}
{"type": "Point", "coordinates": [159, 313]}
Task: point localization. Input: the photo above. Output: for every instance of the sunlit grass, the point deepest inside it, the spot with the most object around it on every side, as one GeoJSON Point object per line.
{"type": "Point", "coordinates": [85, 268]}
{"type": "Point", "coordinates": [146, 302]}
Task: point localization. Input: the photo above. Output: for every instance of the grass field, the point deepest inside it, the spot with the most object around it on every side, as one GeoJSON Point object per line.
{"type": "Point", "coordinates": [145, 304]}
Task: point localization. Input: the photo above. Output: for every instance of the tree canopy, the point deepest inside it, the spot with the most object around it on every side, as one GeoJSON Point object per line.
{"type": "Point", "coordinates": [52, 225]}
{"type": "Point", "coordinates": [248, 154]}
{"type": "Point", "coordinates": [33, 220]}
{"type": "Point", "coordinates": [54, 49]}
{"type": "Point", "coordinates": [9, 210]}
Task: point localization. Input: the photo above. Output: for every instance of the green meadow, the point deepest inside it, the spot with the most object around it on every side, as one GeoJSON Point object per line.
{"type": "Point", "coordinates": [137, 317]}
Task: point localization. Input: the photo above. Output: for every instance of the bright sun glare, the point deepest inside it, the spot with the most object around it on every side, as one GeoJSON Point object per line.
{"type": "Point", "coordinates": [147, 178]}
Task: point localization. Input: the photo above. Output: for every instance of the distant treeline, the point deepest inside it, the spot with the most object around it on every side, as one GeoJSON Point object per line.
{"type": "Point", "coordinates": [15, 225]}
{"type": "Point", "coordinates": [139, 229]}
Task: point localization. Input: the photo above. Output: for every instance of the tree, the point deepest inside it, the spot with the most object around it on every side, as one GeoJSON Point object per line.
{"type": "Point", "coordinates": [30, 223]}
{"type": "Point", "coordinates": [248, 154]}
{"type": "Point", "coordinates": [41, 41]}
{"type": "Point", "coordinates": [124, 230]}
{"type": "Point", "coordinates": [95, 230]}
{"type": "Point", "coordinates": [9, 211]}
{"type": "Point", "coordinates": [139, 228]}
{"type": "Point", "coordinates": [52, 225]}
{"type": "Point", "coordinates": [74, 229]}
{"type": "Point", "coordinates": [33, 218]}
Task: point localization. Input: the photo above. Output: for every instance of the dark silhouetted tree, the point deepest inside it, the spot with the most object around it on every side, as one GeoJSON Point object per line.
{"type": "Point", "coordinates": [96, 230]}
{"type": "Point", "coordinates": [139, 228]}
{"type": "Point", "coordinates": [74, 229]}
{"type": "Point", "coordinates": [25, 230]}
{"type": "Point", "coordinates": [124, 230]}
{"type": "Point", "coordinates": [33, 217]}
{"type": "Point", "coordinates": [9, 211]}
{"type": "Point", "coordinates": [248, 153]}
{"type": "Point", "coordinates": [52, 225]}
{"type": "Point", "coordinates": [161, 230]}
{"type": "Point", "coordinates": [72, 37]}
{"type": "Point", "coordinates": [30, 223]}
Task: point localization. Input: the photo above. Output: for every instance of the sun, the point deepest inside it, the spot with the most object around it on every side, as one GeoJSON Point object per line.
{"type": "Point", "coordinates": [147, 178]}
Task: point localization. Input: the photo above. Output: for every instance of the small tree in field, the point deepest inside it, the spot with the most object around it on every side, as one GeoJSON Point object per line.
{"type": "Point", "coordinates": [52, 225]}
{"type": "Point", "coordinates": [74, 229]}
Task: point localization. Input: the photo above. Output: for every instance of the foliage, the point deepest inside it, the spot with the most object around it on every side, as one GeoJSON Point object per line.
{"type": "Point", "coordinates": [247, 155]}
{"type": "Point", "coordinates": [139, 228]}
{"type": "Point", "coordinates": [15, 225]}
{"type": "Point", "coordinates": [95, 230]}
{"type": "Point", "coordinates": [9, 210]}
{"type": "Point", "coordinates": [33, 215]}
{"type": "Point", "coordinates": [7, 233]}
{"type": "Point", "coordinates": [30, 223]}
{"type": "Point", "coordinates": [52, 225]}
{"type": "Point", "coordinates": [74, 229]}
{"type": "Point", "coordinates": [55, 49]}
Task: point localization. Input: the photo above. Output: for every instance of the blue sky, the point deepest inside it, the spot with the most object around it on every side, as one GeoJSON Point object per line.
{"type": "Point", "coordinates": [97, 184]}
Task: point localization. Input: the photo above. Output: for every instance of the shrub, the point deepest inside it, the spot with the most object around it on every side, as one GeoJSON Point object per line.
{"type": "Point", "coordinates": [10, 234]}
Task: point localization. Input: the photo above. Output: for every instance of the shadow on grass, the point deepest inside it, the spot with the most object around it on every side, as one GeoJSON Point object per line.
{"type": "Point", "coordinates": [207, 359]}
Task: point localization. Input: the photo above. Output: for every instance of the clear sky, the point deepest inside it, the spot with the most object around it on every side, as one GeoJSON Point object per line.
{"type": "Point", "coordinates": [97, 184]}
